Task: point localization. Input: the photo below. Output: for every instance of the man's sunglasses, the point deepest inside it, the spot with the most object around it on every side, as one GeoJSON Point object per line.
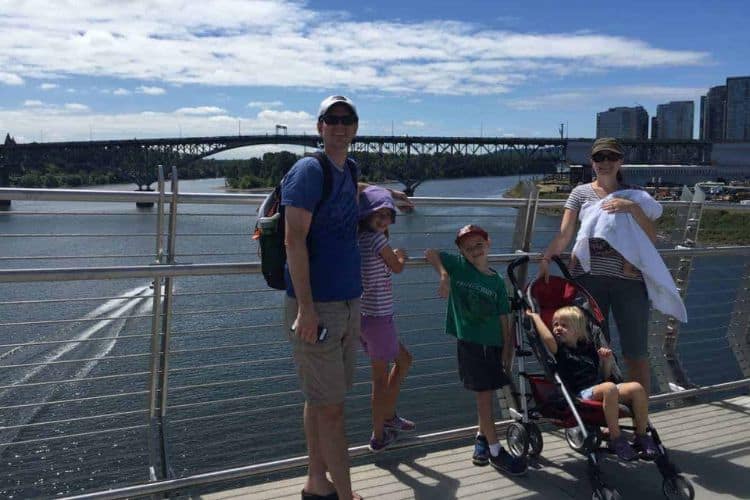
{"type": "Point", "coordinates": [335, 120]}
{"type": "Point", "coordinates": [600, 157]}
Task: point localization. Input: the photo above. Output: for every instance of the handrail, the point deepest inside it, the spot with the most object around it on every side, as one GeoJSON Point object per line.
{"type": "Point", "coordinates": [172, 270]}
{"type": "Point", "coordinates": [37, 194]}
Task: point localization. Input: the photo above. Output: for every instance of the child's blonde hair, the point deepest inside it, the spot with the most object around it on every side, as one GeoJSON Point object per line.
{"type": "Point", "coordinates": [577, 320]}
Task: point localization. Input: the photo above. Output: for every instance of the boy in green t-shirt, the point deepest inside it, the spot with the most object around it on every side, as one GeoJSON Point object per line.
{"type": "Point", "coordinates": [479, 317]}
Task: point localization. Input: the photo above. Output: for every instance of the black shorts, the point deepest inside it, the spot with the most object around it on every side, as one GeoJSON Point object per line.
{"type": "Point", "coordinates": [480, 366]}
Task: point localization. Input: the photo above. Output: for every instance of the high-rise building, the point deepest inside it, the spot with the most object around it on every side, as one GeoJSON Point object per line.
{"type": "Point", "coordinates": [713, 109]}
{"type": "Point", "coordinates": [623, 123]}
{"type": "Point", "coordinates": [675, 120]}
{"type": "Point", "coordinates": [738, 109]}
{"type": "Point", "coordinates": [654, 127]}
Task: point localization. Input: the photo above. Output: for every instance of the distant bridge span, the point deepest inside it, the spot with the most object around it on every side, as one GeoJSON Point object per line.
{"type": "Point", "coordinates": [146, 153]}
{"type": "Point", "coordinates": [193, 148]}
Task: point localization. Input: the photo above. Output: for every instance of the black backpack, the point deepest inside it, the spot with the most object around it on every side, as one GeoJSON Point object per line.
{"type": "Point", "coordinates": [270, 225]}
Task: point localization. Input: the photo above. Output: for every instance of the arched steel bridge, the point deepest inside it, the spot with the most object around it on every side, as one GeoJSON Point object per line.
{"type": "Point", "coordinates": [92, 155]}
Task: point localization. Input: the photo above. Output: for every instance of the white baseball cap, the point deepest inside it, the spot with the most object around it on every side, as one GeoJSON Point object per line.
{"type": "Point", "coordinates": [329, 101]}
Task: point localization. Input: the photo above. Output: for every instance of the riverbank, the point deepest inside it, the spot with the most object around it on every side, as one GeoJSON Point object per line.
{"type": "Point", "coordinates": [717, 226]}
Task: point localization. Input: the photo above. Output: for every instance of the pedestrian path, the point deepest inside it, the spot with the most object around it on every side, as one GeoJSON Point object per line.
{"type": "Point", "coordinates": [709, 442]}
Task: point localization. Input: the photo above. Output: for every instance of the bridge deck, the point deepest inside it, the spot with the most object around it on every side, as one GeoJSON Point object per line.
{"type": "Point", "coordinates": [709, 442]}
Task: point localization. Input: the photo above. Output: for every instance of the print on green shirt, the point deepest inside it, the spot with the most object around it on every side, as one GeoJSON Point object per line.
{"type": "Point", "coordinates": [476, 302]}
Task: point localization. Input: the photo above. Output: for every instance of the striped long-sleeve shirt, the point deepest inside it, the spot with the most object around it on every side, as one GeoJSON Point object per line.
{"type": "Point", "coordinates": [377, 287]}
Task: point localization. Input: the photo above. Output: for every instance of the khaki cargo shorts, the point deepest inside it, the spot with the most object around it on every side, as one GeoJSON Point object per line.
{"type": "Point", "coordinates": [326, 369]}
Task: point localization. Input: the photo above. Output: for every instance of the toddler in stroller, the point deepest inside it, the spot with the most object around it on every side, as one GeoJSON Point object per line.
{"type": "Point", "coordinates": [588, 372]}
{"type": "Point", "coordinates": [580, 389]}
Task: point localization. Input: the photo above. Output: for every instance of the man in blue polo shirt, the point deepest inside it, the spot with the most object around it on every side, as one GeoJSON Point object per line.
{"type": "Point", "coordinates": [323, 290]}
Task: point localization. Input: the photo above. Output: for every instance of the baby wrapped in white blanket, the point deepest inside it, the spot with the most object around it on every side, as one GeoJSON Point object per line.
{"type": "Point", "coordinates": [624, 234]}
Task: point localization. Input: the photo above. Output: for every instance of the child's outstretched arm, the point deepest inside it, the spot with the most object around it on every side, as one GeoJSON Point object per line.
{"type": "Point", "coordinates": [544, 333]}
{"type": "Point", "coordinates": [395, 259]}
{"type": "Point", "coordinates": [433, 257]}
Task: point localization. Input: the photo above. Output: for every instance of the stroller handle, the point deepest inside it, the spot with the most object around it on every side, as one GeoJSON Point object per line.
{"type": "Point", "coordinates": [563, 268]}
{"type": "Point", "coordinates": [512, 270]}
{"type": "Point", "coordinates": [524, 259]}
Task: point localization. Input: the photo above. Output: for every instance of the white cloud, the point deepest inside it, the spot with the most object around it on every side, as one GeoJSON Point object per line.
{"type": "Point", "coordinates": [414, 123]}
{"type": "Point", "coordinates": [63, 123]}
{"type": "Point", "coordinates": [76, 107]}
{"type": "Point", "coordinates": [605, 96]}
{"type": "Point", "coordinates": [10, 78]}
{"type": "Point", "coordinates": [559, 100]}
{"type": "Point", "coordinates": [264, 104]}
{"type": "Point", "coordinates": [48, 86]}
{"type": "Point", "coordinates": [659, 92]}
{"type": "Point", "coordinates": [201, 110]}
{"type": "Point", "coordinates": [143, 89]}
{"type": "Point", "coordinates": [285, 43]}
{"type": "Point", "coordinates": [32, 103]}
{"type": "Point", "coordinates": [121, 91]}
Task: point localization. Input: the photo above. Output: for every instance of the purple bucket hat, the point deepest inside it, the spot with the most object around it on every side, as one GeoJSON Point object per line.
{"type": "Point", "coordinates": [372, 199]}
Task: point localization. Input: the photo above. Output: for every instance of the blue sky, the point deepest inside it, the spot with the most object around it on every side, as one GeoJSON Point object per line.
{"type": "Point", "coordinates": [171, 67]}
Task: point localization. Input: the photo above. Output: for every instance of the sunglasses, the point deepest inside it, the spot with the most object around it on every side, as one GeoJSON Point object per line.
{"type": "Point", "coordinates": [335, 120]}
{"type": "Point", "coordinates": [600, 157]}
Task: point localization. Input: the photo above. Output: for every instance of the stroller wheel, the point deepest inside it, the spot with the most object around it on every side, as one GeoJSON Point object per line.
{"type": "Point", "coordinates": [606, 493]}
{"type": "Point", "coordinates": [518, 440]}
{"type": "Point", "coordinates": [535, 439]}
{"type": "Point", "coordinates": [574, 437]}
{"type": "Point", "coordinates": [678, 488]}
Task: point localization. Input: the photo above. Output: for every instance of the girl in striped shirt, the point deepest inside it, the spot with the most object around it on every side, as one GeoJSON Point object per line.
{"type": "Point", "coordinates": [379, 336]}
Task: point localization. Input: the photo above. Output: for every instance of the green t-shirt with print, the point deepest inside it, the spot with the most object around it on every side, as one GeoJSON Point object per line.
{"type": "Point", "coordinates": [475, 303]}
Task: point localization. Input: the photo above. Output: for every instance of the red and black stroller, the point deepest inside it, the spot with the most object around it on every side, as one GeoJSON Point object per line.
{"type": "Point", "coordinates": [553, 402]}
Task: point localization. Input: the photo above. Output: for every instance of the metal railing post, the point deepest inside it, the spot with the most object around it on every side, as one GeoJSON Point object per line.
{"type": "Point", "coordinates": [524, 228]}
{"type": "Point", "coordinates": [664, 330]}
{"type": "Point", "coordinates": [522, 234]}
{"type": "Point", "coordinates": [738, 332]}
{"type": "Point", "coordinates": [157, 464]}
{"type": "Point", "coordinates": [160, 216]}
{"type": "Point", "coordinates": [167, 319]}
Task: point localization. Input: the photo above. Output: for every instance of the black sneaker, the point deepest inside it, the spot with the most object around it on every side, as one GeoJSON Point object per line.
{"type": "Point", "coordinates": [508, 464]}
{"type": "Point", "coordinates": [481, 455]}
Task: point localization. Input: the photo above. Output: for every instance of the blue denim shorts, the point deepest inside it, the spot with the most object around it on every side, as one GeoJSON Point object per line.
{"type": "Point", "coordinates": [588, 393]}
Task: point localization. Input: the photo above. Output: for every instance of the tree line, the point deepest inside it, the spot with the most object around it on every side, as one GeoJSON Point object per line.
{"type": "Point", "coordinates": [269, 169]}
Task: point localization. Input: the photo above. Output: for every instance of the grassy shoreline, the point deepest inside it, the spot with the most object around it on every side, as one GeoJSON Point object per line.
{"type": "Point", "coordinates": [718, 227]}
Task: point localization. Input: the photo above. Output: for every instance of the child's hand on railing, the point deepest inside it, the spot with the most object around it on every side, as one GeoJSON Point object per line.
{"type": "Point", "coordinates": [401, 254]}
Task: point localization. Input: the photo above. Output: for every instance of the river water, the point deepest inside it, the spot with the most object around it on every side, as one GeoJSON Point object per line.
{"type": "Point", "coordinates": [233, 397]}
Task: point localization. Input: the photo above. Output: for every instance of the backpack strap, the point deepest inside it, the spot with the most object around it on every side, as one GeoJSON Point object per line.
{"type": "Point", "coordinates": [325, 164]}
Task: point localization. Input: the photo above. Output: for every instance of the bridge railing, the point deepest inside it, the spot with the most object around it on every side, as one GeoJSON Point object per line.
{"type": "Point", "coordinates": [171, 368]}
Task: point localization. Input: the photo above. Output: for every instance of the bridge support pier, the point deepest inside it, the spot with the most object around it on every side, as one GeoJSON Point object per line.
{"type": "Point", "coordinates": [4, 182]}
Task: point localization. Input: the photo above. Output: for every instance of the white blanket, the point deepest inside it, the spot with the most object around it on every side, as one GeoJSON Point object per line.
{"type": "Point", "coordinates": [623, 233]}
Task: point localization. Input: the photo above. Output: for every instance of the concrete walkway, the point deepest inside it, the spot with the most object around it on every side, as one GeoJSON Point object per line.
{"type": "Point", "coordinates": [710, 443]}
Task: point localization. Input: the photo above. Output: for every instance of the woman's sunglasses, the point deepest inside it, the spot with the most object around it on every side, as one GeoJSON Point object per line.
{"type": "Point", "coordinates": [335, 120]}
{"type": "Point", "coordinates": [600, 157]}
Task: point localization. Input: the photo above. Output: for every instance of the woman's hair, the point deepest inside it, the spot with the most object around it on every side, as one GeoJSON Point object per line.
{"type": "Point", "coordinates": [575, 318]}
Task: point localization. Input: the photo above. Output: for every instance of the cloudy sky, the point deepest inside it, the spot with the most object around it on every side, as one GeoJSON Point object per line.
{"type": "Point", "coordinates": [76, 69]}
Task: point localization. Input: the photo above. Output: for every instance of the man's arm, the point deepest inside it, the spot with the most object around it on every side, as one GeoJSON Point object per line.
{"type": "Point", "coordinates": [403, 202]}
{"type": "Point", "coordinates": [297, 226]}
